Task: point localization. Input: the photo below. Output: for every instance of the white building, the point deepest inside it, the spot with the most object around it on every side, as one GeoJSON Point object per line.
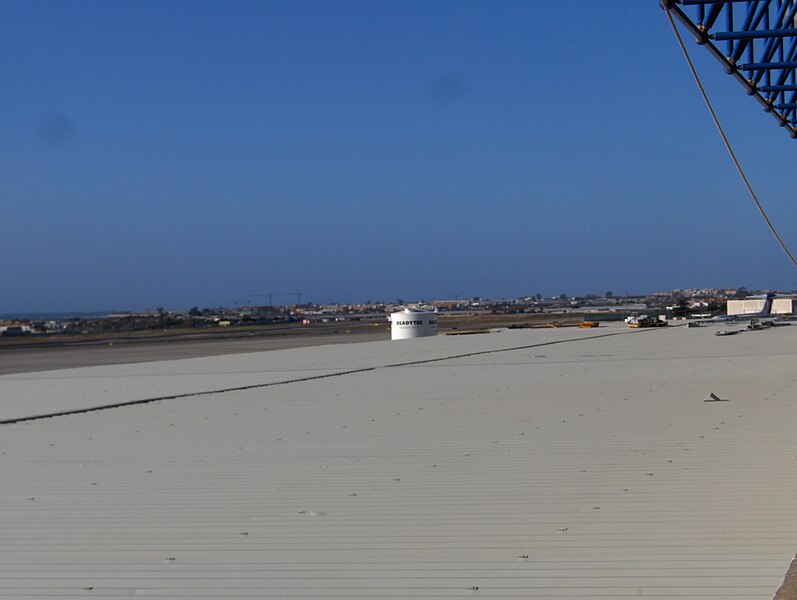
{"type": "Point", "coordinates": [780, 306]}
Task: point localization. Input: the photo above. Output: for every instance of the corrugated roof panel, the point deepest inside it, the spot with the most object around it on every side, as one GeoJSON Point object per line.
{"type": "Point", "coordinates": [590, 468]}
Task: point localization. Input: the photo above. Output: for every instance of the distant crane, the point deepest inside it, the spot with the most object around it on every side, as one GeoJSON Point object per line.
{"type": "Point", "coordinates": [268, 295]}
{"type": "Point", "coordinates": [298, 297]}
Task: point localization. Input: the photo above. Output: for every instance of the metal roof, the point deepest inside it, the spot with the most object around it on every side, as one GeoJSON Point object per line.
{"type": "Point", "coordinates": [516, 464]}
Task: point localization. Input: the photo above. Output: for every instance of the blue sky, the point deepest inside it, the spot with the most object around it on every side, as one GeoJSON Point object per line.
{"type": "Point", "coordinates": [198, 153]}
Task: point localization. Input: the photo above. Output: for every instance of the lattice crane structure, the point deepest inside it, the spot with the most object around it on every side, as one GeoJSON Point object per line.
{"type": "Point", "coordinates": [756, 42]}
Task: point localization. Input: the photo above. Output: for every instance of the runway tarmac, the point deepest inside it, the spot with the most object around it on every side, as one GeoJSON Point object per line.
{"type": "Point", "coordinates": [28, 360]}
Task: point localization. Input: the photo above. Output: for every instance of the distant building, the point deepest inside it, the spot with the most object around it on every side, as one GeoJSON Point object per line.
{"type": "Point", "coordinates": [780, 306]}
{"type": "Point", "coordinates": [9, 329]}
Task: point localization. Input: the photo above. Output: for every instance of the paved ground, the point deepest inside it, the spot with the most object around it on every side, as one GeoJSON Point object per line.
{"type": "Point", "coordinates": [14, 360]}
{"type": "Point", "coordinates": [522, 464]}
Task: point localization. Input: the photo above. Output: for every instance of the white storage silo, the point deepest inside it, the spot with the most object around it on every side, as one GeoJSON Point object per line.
{"type": "Point", "coordinates": [410, 323]}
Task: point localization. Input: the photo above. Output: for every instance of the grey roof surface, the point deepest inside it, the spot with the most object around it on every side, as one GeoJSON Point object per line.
{"type": "Point", "coordinates": [584, 468]}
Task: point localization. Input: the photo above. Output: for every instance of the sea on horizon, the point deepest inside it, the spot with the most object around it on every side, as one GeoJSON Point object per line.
{"type": "Point", "coordinates": [53, 316]}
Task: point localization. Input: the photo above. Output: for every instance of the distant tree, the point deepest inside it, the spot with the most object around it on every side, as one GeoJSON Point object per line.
{"type": "Point", "coordinates": [610, 294]}
{"type": "Point", "coordinates": [742, 291]}
{"type": "Point", "coordinates": [538, 297]}
{"type": "Point", "coordinates": [562, 296]}
{"type": "Point", "coordinates": [194, 312]}
{"type": "Point", "coordinates": [681, 309]}
{"type": "Point", "coordinates": [715, 305]}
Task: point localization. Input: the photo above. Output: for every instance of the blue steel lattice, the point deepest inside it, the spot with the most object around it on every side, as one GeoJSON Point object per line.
{"type": "Point", "coordinates": [756, 41]}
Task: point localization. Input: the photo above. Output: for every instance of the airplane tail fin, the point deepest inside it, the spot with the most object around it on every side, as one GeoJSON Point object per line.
{"type": "Point", "coordinates": [768, 304]}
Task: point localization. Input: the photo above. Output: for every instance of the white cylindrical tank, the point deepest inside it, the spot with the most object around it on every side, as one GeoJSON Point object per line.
{"type": "Point", "coordinates": [410, 323]}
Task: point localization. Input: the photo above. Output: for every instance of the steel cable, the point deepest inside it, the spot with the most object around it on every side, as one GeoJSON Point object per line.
{"type": "Point", "coordinates": [724, 137]}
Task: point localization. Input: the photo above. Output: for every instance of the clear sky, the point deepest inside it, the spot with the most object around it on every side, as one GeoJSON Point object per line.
{"type": "Point", "coordinates": [199, 153]}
